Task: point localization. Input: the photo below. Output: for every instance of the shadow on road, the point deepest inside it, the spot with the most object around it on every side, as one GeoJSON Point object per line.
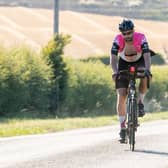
{"type": "Point", "coordinates": [152, 152]}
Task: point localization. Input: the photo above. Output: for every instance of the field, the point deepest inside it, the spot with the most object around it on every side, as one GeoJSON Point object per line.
{"type": "Point", "coordinates": [92, 34]}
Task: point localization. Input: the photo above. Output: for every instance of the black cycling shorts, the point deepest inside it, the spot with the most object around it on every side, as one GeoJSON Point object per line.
{"type": "Point", "coordinates": [124, 65]}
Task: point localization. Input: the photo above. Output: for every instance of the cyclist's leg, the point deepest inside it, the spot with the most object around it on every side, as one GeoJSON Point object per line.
{"type": "Point", "coordinates": [142, 92]}
{"type": "Point", "coordinates": [142, 89]}
{"type": "Point", "coordinates": [121, 110]}
{"type": "Point", "coordinates": [121, 106]}
{"type": "Point", "coordinates": [121, 86]}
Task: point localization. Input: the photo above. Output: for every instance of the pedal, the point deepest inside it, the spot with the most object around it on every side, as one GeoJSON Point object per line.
{"type": "Point", "coordinates": [130, 124]}
{"type": "Point", "coordinates": [123, 141]}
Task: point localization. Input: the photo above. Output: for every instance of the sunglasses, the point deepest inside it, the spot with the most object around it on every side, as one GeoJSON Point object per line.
{"type": "Point", "coordinates": [127, 33]}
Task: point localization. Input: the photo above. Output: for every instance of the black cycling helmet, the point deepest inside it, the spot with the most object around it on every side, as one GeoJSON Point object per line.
{"type": "Point", "coordinates": [126, 25]}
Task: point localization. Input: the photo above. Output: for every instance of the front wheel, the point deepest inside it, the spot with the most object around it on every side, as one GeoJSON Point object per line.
{"type": "Point", "coordinates": [132, 122]}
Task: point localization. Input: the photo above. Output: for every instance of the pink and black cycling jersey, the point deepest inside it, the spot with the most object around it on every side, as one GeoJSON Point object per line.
{"type": "Point", "coordinates": [139, 42]}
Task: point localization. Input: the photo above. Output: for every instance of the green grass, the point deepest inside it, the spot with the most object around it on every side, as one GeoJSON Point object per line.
{"type": "Point", "coordinates": [15, 127]}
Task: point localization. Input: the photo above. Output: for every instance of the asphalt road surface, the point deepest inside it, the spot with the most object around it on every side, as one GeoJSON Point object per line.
{"type": "Point", "coordinates": [88, 148]}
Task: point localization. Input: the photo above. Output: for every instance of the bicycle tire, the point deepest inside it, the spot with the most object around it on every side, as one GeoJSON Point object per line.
{"type": "Point", "coordinates": [132, 122]}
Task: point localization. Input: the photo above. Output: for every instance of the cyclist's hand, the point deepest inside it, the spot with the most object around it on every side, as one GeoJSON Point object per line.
{"type": "Point", "coordinates": [114, 76]}
{"type": "Point", "coordinates": [148, 73]}
{"type": "Point", "coordinates": [149, 77]}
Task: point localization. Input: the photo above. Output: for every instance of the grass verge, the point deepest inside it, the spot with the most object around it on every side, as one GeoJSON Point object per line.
{"type": "Point", "coordinates": [16, 127]}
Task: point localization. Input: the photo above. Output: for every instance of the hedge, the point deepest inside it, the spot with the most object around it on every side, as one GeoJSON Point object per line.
{"type": "Point", "coordinates": [27, 80]}
{"type": "Point", "coordinates": [91, 91]}
{"type": "Point", "coordinates": [24, 81]}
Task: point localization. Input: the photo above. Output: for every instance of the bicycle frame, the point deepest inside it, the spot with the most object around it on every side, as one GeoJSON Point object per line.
{"type": "Point", "coordinates": [132, 115]}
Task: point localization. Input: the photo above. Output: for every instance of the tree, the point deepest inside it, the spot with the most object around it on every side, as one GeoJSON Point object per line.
{"type": "Point", "coordinates": [53, 54]}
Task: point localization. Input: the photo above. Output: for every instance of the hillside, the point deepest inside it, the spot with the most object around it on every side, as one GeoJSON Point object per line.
{"type": "Point", "coordinates": [142, 9]}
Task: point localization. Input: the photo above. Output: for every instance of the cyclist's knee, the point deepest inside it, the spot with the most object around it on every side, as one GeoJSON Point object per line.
{"type": "Point", "coordinates": [122, 92]}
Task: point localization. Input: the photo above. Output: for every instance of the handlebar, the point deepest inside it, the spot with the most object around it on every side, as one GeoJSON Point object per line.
{"type": "Point", "coordinates": [132, 73]}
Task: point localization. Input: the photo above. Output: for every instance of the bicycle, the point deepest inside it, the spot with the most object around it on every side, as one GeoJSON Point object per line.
{"type": "Point", "coordinates": [132, 115]}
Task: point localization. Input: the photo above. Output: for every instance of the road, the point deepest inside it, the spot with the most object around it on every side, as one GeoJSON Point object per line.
{"type": "Point", "coordinates": [88, 148]}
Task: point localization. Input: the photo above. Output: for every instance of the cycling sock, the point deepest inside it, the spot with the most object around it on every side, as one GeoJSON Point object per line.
{"type": "Point", "coordinates": [122, 120]}
{"type": "Point", "coordinates": [141, 98]}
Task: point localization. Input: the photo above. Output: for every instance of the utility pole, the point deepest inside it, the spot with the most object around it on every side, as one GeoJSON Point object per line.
{"type": "Point", "coordinates": [56, 16]}
{"type": "Point", "coordinates": [56, 30]}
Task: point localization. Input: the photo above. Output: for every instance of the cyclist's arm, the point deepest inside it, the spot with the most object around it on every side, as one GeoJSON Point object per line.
{"type": "Point", "coordinates": [146, 54]}
{"type": "Point", "coordinates": [147, 59]}
{"type": "Point", "coordinates": [113, 58]}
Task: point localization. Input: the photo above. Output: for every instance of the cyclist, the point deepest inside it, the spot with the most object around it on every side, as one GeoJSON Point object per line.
{"type": "Point", "coordinates": [132, 49]}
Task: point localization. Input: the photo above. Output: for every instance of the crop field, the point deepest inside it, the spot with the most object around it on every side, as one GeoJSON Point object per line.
{"type": "Point", "coordinates": [91, 34]}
